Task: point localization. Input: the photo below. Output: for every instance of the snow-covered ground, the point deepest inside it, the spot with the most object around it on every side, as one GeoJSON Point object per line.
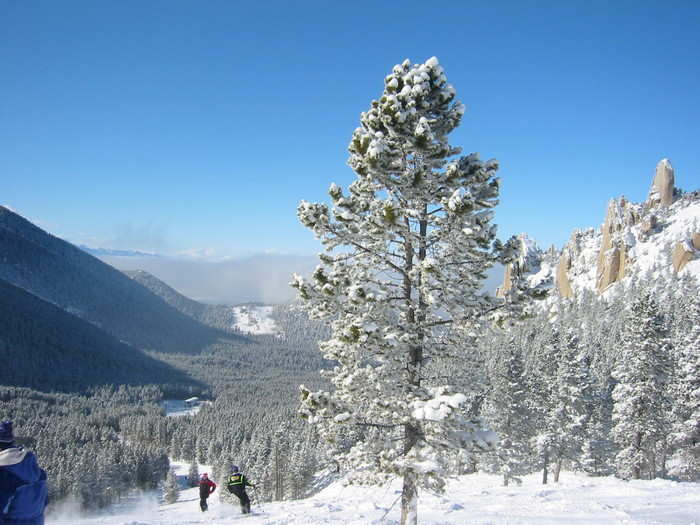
{"type": "Point", "coordinates": [679, 226]}
{"type": "Point", "coordinates": [254, 319]}
{"type": "Point", "coordinates": [177, 408]}
{"type": "Point", "coordinates": [470, 500]}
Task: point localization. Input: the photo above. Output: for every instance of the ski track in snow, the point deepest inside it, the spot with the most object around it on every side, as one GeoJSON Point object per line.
{"type": "Point", "coordinates": [470, 500]}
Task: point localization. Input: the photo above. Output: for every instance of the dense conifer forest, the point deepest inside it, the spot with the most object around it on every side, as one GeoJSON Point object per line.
{"type": "Point", "coordinates": [600, 385]}
{"type": "Point", "coordinates": [98, 444]}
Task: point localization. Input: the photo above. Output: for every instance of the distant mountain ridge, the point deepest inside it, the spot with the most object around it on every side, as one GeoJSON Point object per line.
{"type": "Point", "coordinates": [64, 275]}
{"type": "Point", "coordinates": [100, 252]}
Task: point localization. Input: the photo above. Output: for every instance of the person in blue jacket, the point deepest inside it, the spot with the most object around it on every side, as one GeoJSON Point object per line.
{"type": "Point", "coordinates": [23, 489]}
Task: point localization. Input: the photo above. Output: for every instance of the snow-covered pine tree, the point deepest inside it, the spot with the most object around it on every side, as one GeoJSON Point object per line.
{"type": "Point", "coordinates": [567, 418]}
{"type": "Point", "coordinates": [171, 489]}
{"type": "Point", "coordinates": [685, 438]}
{"type": "Point", "coordinates": [598, 449]}
{"type": "Point", "coordinates": [541, 368]}
{"type": "Point", "coordinates": [407, 248]}
{"type": "Point", "coordinates": [261, 461]}
{"type": "Point", "coordinates": [297, 472]}
{"type": "Point", "coordinates": [221, 470]}
{"type": "Point", "coordinates": [640, 414]}
{"type": "Point", "coordinates": [595, 323]}
{"type": "Point", "coordinates": [310, 457]}
{"type": "Point", "coordinates": [193, 473]}
{"type": "Point", "coordinates": [507, 413]}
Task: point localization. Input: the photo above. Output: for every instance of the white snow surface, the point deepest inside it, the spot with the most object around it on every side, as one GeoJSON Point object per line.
{"type": "Point", "coordinates": [477, 499]}
{"type": "Point", "coordinates": [177, 408]}
{"type": "Point", "coordinates": [182, 468]}
{"type": "Point", "coordinates": [679, 226]}
{"type": "Point", "coordinates": [254, 320]}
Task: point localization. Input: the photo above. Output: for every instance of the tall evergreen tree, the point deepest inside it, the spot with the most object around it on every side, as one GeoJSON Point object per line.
{"type": "Point", "coordinates": [598, 448]}
{"type": "Point", "coordinates": [640, 414]}
{"type": "Point", "coordinates": [507, 412]}
{"type": "Point", "coordinates": [542, 368]}
{"type": "Point", "coordinates": [567, 418]}
{"type": "Point", "coordinates": [686, 430]}
{"type": "Point", "coordinates": [407, 249]}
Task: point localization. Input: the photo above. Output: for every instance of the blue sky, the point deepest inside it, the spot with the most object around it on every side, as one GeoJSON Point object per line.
{"type": "Point", "coordinates": [175, 126]}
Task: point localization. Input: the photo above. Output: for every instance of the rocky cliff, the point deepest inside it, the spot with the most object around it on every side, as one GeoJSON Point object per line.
{"type": "Point", "coordinates": [660, 235]}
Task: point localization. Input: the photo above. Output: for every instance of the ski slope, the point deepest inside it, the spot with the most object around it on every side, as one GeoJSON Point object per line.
{"type": "Point", "coordinates": [470, 500]}
{"type": "Point", "coordinates": [254, 320]}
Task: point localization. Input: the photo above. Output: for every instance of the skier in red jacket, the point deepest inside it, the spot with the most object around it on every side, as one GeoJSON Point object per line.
{"type": "Point", "coordinates": [206, 487]}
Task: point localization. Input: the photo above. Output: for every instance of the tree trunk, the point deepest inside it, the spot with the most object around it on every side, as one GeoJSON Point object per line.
{"type": "Point", "coordinates": [664, 457]}
{"type": "Point", "coordinates": [278, 476]}
{"type": "Point", "coordinates": [414, 316]}
{"type": "Point", "coordinates": [652, 464]}
{"type": "Point", "coordinates": [637, 468]}
{"type": "Point", "coordinates": [545, 459]}
{"type": "Point", "coordinates": [409, 500]}
{"type": "Point", "coordinates": [557, 468]}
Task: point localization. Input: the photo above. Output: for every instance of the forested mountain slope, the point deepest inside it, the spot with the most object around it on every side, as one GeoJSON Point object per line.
{"type": "Point", "coordinates": [46, 348]}
{"type": "Point", "coordinates": [69, 324]}
{"type": "Point", "coordinates": [81, 284]}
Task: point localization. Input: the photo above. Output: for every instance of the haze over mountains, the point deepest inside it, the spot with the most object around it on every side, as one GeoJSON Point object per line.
{"type": "Point", "coordinates": [262, 278]}
{"type": "Point", "coordinates": [246, 319]}
{"type": "Point", "coordinates": [110, 252]}
{"type": "Point", "coordinates": [70, 321]}
{"type": "Point", "coordinates": [217, 316]}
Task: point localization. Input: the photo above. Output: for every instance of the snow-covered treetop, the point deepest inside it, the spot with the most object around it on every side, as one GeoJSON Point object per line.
{"type": "Point", "coordinates": [530, 254]}
{"type": "Point", "coordinates": [416, 112]}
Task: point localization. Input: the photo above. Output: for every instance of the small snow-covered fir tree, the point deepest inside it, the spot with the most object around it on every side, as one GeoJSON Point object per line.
{"type": "Point", "coordinates": [171, 489]}
{"type": "Point", "coordinates": [407, 248]}
{"type": "Point", "coordinates": [222, 469]}
{"type": "Point", "coordinates": [193, 473]}
{"type": "Point", "coordinates": [640, 413]}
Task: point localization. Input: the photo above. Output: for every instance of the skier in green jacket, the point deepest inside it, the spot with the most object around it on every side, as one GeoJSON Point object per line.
{"type": "Point", "coordinates": [236, 484]}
